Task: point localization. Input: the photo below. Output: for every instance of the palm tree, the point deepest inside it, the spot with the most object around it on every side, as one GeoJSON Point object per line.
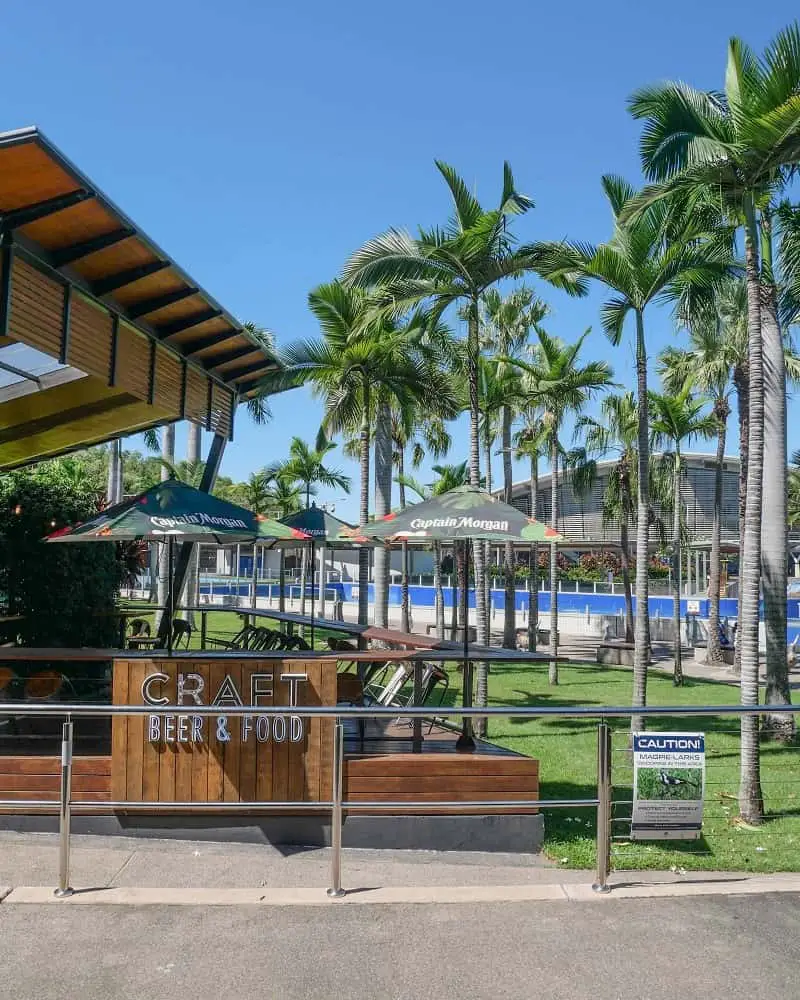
{"type": "Point", "coordinates": [531, 443]}
{"type": "Point", "coordinates": [793, 502]}
{"type": "Point", "coordinates": [453, 265]}
{"type": "Point", "coordinates": [614, 433]}
{"type": "Point", "coordinates": [676, 421]}
{"type": "Point", "coordinates": [650, 256]}
{"type": "Point", "coordinates": [282, 497]}
{"type": "Point", "coordinates": [736, 146]}
{"type": "Point", "coordinates": [556, 379]}
{"type": "Point", "coordinates": [449, 477]}
{"type": "Point", "coordinates": [306, 465]}
{"type": "Point", "coordinates": [506, 326]}
{"type": "Point", "coordinates": [716, 347]}
{"type": "Point", "coordinates": [425, 432]}
{"type": "Point", "coordinates": [361, 360]}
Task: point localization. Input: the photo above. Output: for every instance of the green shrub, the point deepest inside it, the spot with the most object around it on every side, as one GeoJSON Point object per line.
{"type": "Point", "coordinates": [67, 593]}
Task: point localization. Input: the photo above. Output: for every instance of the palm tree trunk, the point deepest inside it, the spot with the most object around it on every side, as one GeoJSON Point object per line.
{"type": "Point", "coordinates": [194, 446]}
{"type": "Point", "coordinates": [625, 559]}
{"type": "Point", "coordinates": [405, 608]}
{"type": "Point", "coordinates": [553, 669]}
{"type": "Point", "coordinates": [383, 505]}
{"type": "Point", "coordinates": [533, 563]}
{"type": "Point", "coordinates": [437, 586]}
{"type": "Point", "coordinates": [509, 598]}
{"type": "Point", "coordinates": [751, 804]}
{"type": "Point", "coordinates": [677, 669]}
{"type": "Point", "coordinates": [487, 549]}
{"type": "Point", "coordinates": [714, 650]}
{"type": "Point", "coordinates": [473, 350]}
{"type": "Point", "coordinates": [774, 530]}
{"type": "Point", "coordinates": [363, 511]}
{"type": "Point", "coordinates": [641, 652]}
{"type": "Point", "coordinates": [168, 454]}
{"type": "Point", "coordinates": [741, 379]}
{"type": "Point", "coordinates": [254, 578]}
{"type": "Point", "coordinates": [282, 581]}
{"type": "Point", "coordinates": [303, 578]}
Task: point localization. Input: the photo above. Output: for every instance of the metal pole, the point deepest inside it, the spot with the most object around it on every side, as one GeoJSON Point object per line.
{"type": "Point", "coordinates": [64, 888]}
{"type": "Point", "coordinates": [466, 740]}
{"type": "Point", "coordinates": [603, 808]}
{"type": "Point", "coordinates": [336, 891]}
{"type": "Point", "coordinates": [170, 596]}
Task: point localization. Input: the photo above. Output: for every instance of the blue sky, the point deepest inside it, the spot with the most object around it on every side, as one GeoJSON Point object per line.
{"type": "Point", "coordinates": [260, 144]}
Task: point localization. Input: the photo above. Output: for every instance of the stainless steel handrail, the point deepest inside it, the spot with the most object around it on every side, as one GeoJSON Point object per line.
{"type": "Point", "coordinates": [380, 712]}
{"type": "Point", "coordinates": [337, 806]}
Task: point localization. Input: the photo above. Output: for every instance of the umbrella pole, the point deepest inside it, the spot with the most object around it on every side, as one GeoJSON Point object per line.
{"type": "Point", "coordinates": [466, 741]}
{"type": "Point", "coordinates": [170, 592]}
{"type": "Point", "coordinates": [313, 567]}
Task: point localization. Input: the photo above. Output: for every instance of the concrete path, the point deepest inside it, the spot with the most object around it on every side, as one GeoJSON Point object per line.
{"type": "Point", "coordinates": [718, 948]}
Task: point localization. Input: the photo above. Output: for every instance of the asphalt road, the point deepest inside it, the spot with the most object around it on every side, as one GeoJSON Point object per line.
{"type": "Point", "coordinates": [711, 947]}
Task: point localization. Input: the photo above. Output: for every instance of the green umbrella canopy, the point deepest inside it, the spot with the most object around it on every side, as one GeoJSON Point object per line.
{"type": "Point", "coordinates": [323, 527]}
{"type": "Point", "coordinates": [463, 513]}
{"type": "Point", "coordinates": [175, 510]}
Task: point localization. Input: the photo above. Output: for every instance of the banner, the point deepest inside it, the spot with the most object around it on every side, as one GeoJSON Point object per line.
{"type": "Point", "coordinates": [669, 773]}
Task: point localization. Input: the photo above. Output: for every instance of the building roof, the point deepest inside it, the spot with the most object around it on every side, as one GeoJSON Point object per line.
{"type": "Point", "coordinates": [96, 314]}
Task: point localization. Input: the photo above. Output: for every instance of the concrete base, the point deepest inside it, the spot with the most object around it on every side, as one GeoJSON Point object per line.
{"type": "Point", "coordinates": [514, 834]}
{"type": "Point", "coordinates": [615, 654]}
{"type": "Point", "coordinates": [503, 833]}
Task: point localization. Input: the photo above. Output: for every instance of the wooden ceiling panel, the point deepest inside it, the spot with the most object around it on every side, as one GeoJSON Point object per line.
{"type": "Point", "coordinates": [160, 283]}
{"type": "Point", "coordinates": [29, 175]}
{"type": "Point", "coordinates": [121, 256]}
{"type": "Point", "coordinates": [241, 362]}
{"type": "Point", "coordinates": [176, 311]}
{"type": "Point", "coordinates": [224, 347]}
{"type": "Point", "coordinates": [71, 225]}
{"type": "Point", "coordinates": [210, 326]}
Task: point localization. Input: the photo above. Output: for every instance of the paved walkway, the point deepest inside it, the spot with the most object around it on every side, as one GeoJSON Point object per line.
{"type": "Point", "coordinates": [718, 948]}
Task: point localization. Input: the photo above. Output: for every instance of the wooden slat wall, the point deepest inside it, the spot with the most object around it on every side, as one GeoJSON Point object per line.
{"type": "Point", "coordinates": [214, 771]}
{"type": "Point", "coordinates": [37, 304]}
{"type": "Point", "coordinates": [89, 337]}
{"type": "Point", "coordinates": [196, 397]}
{"type": "Point", "coordinates": [169, 378]}
{"type": "Point", "coordinates": [437, 777]}
{"type": "Point", "coordinates": [133, 361]}
{"type": "Point", "coordinates": [221, 409]}
{"type": "Point", "coordinates": [39, 778]}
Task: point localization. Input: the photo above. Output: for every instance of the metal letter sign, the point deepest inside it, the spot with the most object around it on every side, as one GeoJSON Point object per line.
{"type": "Point", "coordinates": [669, 774]}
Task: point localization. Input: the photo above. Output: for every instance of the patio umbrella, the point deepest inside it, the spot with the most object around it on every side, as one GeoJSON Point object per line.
{"type": "Point", "coordinates": [463, 514]}
{"type": "Point", "coordinates": [323, 528]}
{"type": "Point", "coordinates": [174, 510]}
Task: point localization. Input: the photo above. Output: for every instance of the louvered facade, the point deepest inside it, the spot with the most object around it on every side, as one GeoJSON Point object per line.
{"type": "Point", "coordinates": [581, 515]}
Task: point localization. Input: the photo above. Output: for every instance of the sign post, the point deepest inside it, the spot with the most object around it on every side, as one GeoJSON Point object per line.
{"type": "Point", "coordinates": [668, 786]}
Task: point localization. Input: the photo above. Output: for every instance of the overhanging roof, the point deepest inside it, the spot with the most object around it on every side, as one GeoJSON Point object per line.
{"type": "Point", "coordinates": [102, 307]}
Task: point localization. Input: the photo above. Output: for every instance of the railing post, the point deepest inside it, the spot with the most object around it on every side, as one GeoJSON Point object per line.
{"type": "Point", "coordinates": [335, 891]}
{"type": "Point", "coordinates": [603, 808]}
{"type": "Point", "coordinates": [64, 813]}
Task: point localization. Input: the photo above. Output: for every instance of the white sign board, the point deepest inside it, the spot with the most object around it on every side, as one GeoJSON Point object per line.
{"type": "Point", "coordinates": [669, 774]}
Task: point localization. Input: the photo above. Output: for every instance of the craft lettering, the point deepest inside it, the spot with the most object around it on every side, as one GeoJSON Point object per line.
{"type": "Point", "coordinates": [190, 687]}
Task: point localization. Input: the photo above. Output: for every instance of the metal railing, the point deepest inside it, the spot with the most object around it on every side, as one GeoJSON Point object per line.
{"type": "Point", "coordinates": [601, 801]}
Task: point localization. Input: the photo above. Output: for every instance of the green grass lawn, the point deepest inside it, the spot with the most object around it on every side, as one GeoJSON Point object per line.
{"type": "Point", "coordinates": [567, 751]}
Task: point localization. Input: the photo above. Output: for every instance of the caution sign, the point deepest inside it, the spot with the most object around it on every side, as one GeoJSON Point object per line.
{"type": "Point", "coordinates": [669, 773]}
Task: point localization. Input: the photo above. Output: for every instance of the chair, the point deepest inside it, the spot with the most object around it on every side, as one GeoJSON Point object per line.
{"type": "Point", "coordinates": [46, 685]}
{"type": "Point", "coordinates": [349, 692]}
{"type": "Point", "coordinates": [139, 628]}
{"type": "Point", "coordinates": [181, 630]}
{"type": "Point", "coordinates": [241, 640]}
{"type": "Point", "coordinates": [377, 694]}
{"type": "Point", "coordinates": [295, 642]}
{"type": "Point", "coordinates": [433, 676]}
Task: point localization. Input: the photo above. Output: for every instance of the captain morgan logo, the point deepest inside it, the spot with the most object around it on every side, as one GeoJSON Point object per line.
{"type": "Point", "coordinates": [458, 523]}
